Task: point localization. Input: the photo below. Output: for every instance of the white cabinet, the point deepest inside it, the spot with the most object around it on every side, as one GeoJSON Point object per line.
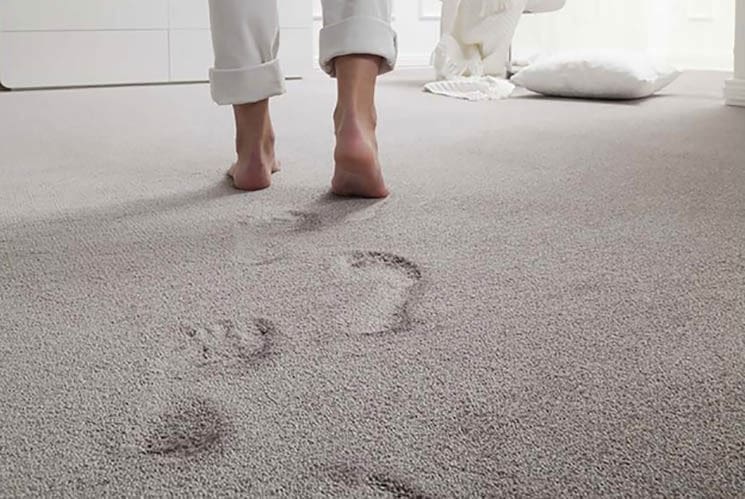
{"type": "Point", "coordinates": [92, 42]}
{"type": "Point", "coordinates": [82, 15]}
{"type": "Point", "coordinates": [191, 45]}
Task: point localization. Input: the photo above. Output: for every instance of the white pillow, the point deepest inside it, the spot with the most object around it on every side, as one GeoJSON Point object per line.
{"type": "Point", "coordinates": [597, 74]}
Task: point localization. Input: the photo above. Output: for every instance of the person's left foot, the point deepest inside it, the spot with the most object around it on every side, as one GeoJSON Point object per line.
{"type": "Point", "coordinates": [254, 174]}
{"type": "Point", "coordinates": [255, 148]}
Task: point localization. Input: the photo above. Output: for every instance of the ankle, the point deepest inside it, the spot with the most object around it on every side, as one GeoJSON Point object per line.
{"type": "Point", "coordinates": [254, 131]}
{"type": "Point", "coordinates": [258, 152]}
{"type": "Point", "coordinates": [253, 145]}
{"type": "Point", "coordinates": [252, 111]}
{"type": "Point", "coordinates": [355, 116]}
{"type": "Point", "coordinates": [256, 158]}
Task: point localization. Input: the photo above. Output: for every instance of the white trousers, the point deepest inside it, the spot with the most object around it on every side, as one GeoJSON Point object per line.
{"type": "Point", "coordinates": [245, 35]}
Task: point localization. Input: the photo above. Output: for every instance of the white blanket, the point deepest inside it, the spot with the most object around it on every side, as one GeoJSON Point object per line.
{"type": "Point", "coordinates": [473, 88]}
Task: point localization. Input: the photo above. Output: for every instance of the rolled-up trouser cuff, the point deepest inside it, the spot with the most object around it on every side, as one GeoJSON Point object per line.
{"type": "Point", "coordinates": [246, 85]}
{"type": "Point", "coordinates": [358, 35]}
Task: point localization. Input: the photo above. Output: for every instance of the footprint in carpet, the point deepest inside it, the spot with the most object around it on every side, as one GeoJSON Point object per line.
{"type": "Point", "coordinates": [224, 344]}
{"type": "Point", "coordinates": [380, 291]}
{"type": "Point", "coordinates": [297, 221]}
{"type": "Point", "coordinates": [187, 427]}
{"type": "Point", "coordinates": [378, 483]}
{"type": "Point", "coordinates": [261, 240]}
{"type": "Point", "coordinates": [324, 213]}
{"type": "Point", "coordinates": [283, 221]}
{"type": "Point", "coordinates": [395, 488]}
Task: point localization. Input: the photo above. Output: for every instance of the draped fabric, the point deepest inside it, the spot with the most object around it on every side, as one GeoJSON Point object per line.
{"type": "Point", "coordinates": [490, 7]}
{"type": "Point", "coordinates": [476, 37]}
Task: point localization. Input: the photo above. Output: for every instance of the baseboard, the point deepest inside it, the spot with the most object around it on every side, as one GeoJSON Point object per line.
{"type": "Point", "coordinates": [734, 92]}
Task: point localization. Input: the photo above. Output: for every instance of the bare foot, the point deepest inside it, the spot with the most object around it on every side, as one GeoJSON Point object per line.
{"type": "Point", "coordinates": [255, 147]}
{"type": "Point", "coordinates": [357, 172]}
{"type": "Point", "coordinates": [253, 175]}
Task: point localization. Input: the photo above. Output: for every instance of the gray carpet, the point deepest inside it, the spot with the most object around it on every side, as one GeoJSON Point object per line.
{"type": "Point", "coordinates": [552, 303]}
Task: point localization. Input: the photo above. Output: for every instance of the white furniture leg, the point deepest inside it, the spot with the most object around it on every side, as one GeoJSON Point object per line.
{"type": "Point", "coordinates": [734, 90]}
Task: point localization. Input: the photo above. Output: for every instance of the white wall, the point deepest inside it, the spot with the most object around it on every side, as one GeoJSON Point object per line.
{"type": "Point", "coordinates": [693, 34]}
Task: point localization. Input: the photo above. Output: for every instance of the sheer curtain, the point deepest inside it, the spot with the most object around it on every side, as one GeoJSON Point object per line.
{"type": "Point", "coordinates": [690, 34]}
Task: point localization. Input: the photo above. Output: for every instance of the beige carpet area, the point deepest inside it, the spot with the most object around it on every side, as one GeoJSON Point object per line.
{"type": "Point", "coordinates": [552, 303]}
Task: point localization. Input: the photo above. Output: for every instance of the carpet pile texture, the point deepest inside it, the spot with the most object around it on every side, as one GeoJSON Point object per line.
{"type": "Point", "coordinates": [551, 303]}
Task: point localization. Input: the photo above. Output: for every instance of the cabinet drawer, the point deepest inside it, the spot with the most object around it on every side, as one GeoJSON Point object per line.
{"type": "Point", "coordinates": [191, 53]}
{"type": "Point", "coordinates": [194, 14]}
{"type": "Point", "coordinates": [190, 14]}
{"type": "Point", "coordinates": [296, 51]}
{"type": "Point", "coordinates": [46, 15]}
{"type": "Point", "coordinates": [40, 59]}
{"type": "Point", "coordinates": [295, 14]}
{"type": "Point", "coordinates": [93, 42]}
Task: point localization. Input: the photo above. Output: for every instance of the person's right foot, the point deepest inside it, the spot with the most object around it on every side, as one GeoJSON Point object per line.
{"type": "Point", "coordinates": [357, 172]}
{"type": "Point", "coordinates": [255, 147]}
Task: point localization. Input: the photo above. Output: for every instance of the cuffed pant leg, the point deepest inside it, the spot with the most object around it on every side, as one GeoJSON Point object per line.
{"type": "Point", "coordinates": [245, 36]}
{"type": "Point", "coordinates": [357, 27]}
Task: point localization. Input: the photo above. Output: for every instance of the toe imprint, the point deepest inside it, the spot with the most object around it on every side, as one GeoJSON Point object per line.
{"type": "Point", "coordinates": [226, 343]}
